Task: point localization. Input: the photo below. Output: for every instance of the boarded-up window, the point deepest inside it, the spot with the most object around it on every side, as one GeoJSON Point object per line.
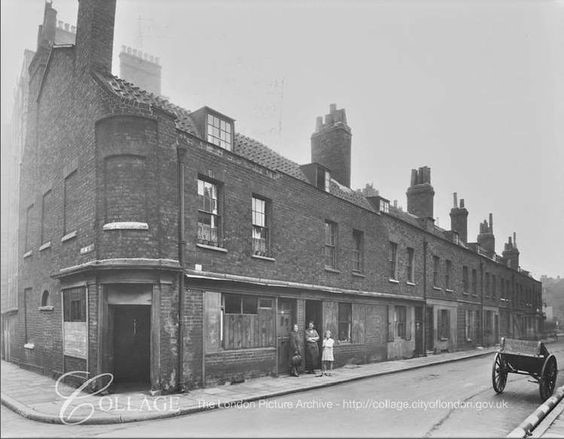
{"type": "Point", "coordinates": [75, 324]}
{"type": "Point", "coordinates": [71, 199]}
{"type": "Point", "coordinates": [245, 324]}
{"type": "Point", "coordinates": [125, 188]}
{"type": "Point", "coordinates": [212, 321]}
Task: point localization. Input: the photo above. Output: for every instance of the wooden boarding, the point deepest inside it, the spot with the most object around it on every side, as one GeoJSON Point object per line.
{"type": "Point", "coordinates": [522, 347]}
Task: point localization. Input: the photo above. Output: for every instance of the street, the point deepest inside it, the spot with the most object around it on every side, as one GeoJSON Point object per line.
{"type": "Point", "coordinates": [448, 400]}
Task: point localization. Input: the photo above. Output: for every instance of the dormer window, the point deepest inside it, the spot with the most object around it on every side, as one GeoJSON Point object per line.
{"type": "Point", "coordinates": [219, 132]}
{"type": "Point", "coordinates": [323, 179]}
{"type": "Point", "coordinates": [384, 206]}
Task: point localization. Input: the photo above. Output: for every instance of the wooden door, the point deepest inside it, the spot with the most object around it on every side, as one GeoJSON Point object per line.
{"type": "Point", "coordinates": [132, 343]}
{"type": "Point", "coordinates": [418, 330]}
{"type": "Point", "coordinates": [286, 319]}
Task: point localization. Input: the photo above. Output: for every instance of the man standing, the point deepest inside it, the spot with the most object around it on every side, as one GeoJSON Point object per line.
{"type": "Point", "coordinates": [296, 351]}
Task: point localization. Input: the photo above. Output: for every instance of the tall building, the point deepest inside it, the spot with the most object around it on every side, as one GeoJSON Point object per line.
{"type": "Point", "coordinates": [13, 138]}
{"type": "Point", "coordinates": [161, 245]}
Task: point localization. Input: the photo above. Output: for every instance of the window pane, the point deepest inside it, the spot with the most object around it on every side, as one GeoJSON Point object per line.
{"type": "Point", "coordinates": [232, 304]}
{"type": "Point", "coordinates": [249, 305]}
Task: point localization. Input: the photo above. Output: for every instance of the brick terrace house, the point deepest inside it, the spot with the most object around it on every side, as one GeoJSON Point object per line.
{"type": "Point", "coordinates": [161, 245]}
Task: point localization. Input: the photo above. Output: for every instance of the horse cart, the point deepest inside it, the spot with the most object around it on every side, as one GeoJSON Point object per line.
{"type": "Point", "coordinates": [525, 357]}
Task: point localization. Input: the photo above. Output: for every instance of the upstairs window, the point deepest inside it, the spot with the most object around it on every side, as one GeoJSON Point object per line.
{"type": "Point", "coordinates": [261, 227]}
{"type": "Point", "coordinates": [358, 251]}
{"type": "Point", "coordinates": [28, 227]}
{"type": "Point", "coordinates": [323, 179]}
{"type": "Point", "coordinates": [393, 260]}
{"type": "Point", "coordinates": [219, 132]}
{"type": "Point", "coordinates": [71, 199]}
{"type": "Point", "coordinates": [209, 219]}
{"type": "Point", "coordinates": [465, 280]}
{"type": "Point", "coordinates": [494, 286]}
{"type": "Point", "coordinates": [46, 217]}
{"type": "Point", "coordinates": [330, 244]}
{"type": "Point", "coordinates": [448, 274]}
{"type": "Point", "coordinates": [474, 281]}
{"type": "Point", "coordinates": [436, 264]}
{"type": "Point", "coordinates": [487, 284]}
{"type": "Point", "coordinates": [384, 206]}
{"type": "Point", "coordinates": [410, 265]}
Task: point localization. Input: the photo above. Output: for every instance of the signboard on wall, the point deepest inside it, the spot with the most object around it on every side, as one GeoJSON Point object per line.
{"type": "Point", "coordinates": [75, 339]}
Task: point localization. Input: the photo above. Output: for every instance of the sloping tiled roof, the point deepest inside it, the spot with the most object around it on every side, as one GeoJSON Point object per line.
{"type": "Point", "coordinates": [263, 155]}
{"type": "Point", "coordinates": [244, 146]}
{"type": "Point", "coordinates": [127, 90]}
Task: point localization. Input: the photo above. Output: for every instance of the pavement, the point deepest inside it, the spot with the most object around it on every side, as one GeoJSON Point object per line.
{"type": "Point", "coordinates": [43, 399]}
{"type": "Point", "coordinates": [553, 424]}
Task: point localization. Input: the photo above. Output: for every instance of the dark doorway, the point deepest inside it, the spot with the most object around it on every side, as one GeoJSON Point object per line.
{"type": "Point", "coordinates": [429, 329]}
{"type": "Point", "coordinates": [314, 313]}
{"type": "Point", "coordinates": [132, 343]}
{"type": "Point", "coordinates": [418, 331]}
{"type": "Point", "coordinates": [286, 320]}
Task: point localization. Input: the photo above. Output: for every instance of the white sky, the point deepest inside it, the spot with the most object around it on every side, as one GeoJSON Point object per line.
{"type": "Point", "coordinates": [473, 89]}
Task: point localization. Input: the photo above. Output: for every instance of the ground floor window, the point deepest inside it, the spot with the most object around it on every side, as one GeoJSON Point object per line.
{"type": "Point", "coordinates": [75, 337]}
{"type": "Point", "coordinates": [345, 322]}
{"type": "Point", "coordinates": [238, 321]}
{"type": "Point", "coordinates": [443, 324]}
{"type": "Point", "coordinates": [401, 321]}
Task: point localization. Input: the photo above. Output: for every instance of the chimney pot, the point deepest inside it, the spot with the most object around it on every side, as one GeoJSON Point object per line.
{"type": "Point", "coordinates": [454, 197]}
{"type": "Point", "coordinates": [332, 108]}
{"type": "Point", "coordinates": [491, 222]}
{"type": "Point", "coordinates": [462, 203]}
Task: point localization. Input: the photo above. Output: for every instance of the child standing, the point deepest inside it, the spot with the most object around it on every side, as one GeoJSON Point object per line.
{"type": "Point", "coordinates": [327, 356]}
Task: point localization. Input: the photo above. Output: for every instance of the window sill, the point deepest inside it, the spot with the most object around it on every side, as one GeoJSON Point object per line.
{"type": "Point", "coordinates": [125, 225]}
{"type": "Point", "coordinates": [264, 258]}
{"type": "Point", "coordinates": [29, 346]}
{"type": "Point", "coordinates": [358, 274]}
{"type": "Point", "coordinates": [394, 281]}
{"type": "Point", "coordinates": [449, 291]}
{"type": "Point", "coordinates": [45, 246]}
{"type": "Point", "coordinates": [27, 254]}
{"type": "Point", "coordinates": [46, 308]}
{"type": "Point", "coordinates": [411, 284]}
{"type": "Point", "coordinates": [69, 236]}
{"type": "Point", "coordinates": [438, 288]}
{"type": "Point", "coordinates": [211, 247]}
{"type": "Point", "coordinates": [464, 293]}
{"type": "Point", "coordinates": [332, 270]}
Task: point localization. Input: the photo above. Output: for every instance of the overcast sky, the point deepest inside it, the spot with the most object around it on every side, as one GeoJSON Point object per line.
{"type": "Point", "coordinates": [473, 89]}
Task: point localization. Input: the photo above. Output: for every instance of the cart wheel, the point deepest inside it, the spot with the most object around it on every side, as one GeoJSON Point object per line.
{"type": "Point", "coordinates": [499, 373]}
{"type": "Point", "coordinates": [548, 377]}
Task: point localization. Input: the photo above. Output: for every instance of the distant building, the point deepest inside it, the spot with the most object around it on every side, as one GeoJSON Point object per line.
{"type": "Point", "coordinates": [162, 246]}
{"type": "Point", "coordinates": [13, 139]}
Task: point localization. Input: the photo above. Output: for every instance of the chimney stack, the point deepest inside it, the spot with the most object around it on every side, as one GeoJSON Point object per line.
{"type": "Point", "coordinates": [141, 69]}
{"type": "Point", "coordinates": [95, 34]}
{"type": "Point", "coordinates": [511, 253]}
{"type": "Point", "coordinates": [486, 237]}
{"type": "Point", "coordinates": [46, 34]}
{"type": "Point", "coordinates": [331, 145]}
{"type": "Point", "coordinates": [459, 219]}
{"type": "Point", "coordinates": [420, 193]}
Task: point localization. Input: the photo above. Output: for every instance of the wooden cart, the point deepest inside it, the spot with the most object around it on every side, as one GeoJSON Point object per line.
{"type": "Point", "coordinates": [525, 357]}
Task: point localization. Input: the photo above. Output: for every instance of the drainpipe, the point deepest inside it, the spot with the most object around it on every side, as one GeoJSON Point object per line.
{"type": "Point", "coordinates": [482, 303]}
{"type": "Point", "coordinates": [181, 150]}
{"type": "Point", "coordinates": [424, 331]}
